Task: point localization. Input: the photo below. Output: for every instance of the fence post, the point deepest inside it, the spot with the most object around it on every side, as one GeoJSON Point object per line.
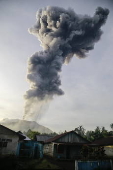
{"type": "Point", "coordinates": [76, 165]}
{"type": "Point", "coordinates": [111, 162]}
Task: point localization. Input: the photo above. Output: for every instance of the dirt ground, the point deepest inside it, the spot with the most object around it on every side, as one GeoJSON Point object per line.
{"type": "Point", "coordinates": [63, 164]}
{"type": "Point", "coordinates": [46, 163]}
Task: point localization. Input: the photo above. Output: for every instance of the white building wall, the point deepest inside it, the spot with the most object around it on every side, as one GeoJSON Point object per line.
{"type": "Point", "coordinates": [109, 150]}
{"type": "Point", "coordinates": [7, 136]}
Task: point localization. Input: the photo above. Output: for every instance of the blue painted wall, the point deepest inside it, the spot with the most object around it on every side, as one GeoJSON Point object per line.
{"type": "Point", "coordinates": [31, 149]}
{"type": "Point", "coordinates": [94, 165]}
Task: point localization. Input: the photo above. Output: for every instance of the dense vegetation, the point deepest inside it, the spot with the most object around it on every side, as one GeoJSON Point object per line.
{"type": "Point", "coordinates": [31, 134]}
{"type": "Point", "coordinates": [90, 135]}
{"type": "Point", "coordinates": [97, 133]}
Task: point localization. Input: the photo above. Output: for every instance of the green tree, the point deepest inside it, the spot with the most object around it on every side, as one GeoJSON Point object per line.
{"type": "Point", "coordinates": [90, 135]}
{"type": "Point", "coordinates": [80, 130]}
{"type": "Point", "coordinates": [31, 134]}
{"type": "Point", "coordinates": [104, 132]}
{"type": "Point", "coordinates": [97, 133]}
{"type": "Point", "coordinates": [50, 134]}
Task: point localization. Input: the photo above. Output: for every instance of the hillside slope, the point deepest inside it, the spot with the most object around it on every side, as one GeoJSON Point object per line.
{"type": "Point", "coordinates": [24, 125]}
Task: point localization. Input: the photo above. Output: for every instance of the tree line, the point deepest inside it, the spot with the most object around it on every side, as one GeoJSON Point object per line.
{"type": "Point", "coordinates": [98, 132]}
{"type": "Point", "coordinates": [91, 135]}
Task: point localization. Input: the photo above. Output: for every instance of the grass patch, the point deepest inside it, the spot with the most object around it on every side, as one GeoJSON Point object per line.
{"type": "Point", "coordinates": [39, 164]}
{"type": "Point", "coordinates": [45, 164]}
{"type": "Point", "coordinates": [26, 164]}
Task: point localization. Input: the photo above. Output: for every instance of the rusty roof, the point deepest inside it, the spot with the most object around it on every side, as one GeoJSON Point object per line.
{"type": "Point", "coordinates": [107, 141]}
{"type": "Point", "coordinates": [53, 139]}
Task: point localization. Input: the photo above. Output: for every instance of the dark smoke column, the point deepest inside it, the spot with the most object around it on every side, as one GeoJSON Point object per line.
{"type": "Point", "coordinates": [62, 34]}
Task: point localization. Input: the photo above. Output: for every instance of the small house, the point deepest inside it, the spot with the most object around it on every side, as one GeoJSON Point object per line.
{"type": "Point", "coordinates": [106, 143]}
{"type": "Point", "coordinates": [9, 141]}
{"type": "Point", "coordinates": [65, 146]}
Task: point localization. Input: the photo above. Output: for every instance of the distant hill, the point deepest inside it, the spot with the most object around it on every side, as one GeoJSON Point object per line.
{"type": "Point", "coordinates": [24, 125]}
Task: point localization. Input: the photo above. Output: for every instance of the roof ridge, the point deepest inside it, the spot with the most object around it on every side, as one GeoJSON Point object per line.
{"type": "Point", "coordinates": [61, 135]}
{"type": "Point", "coordinates": [12, 130]}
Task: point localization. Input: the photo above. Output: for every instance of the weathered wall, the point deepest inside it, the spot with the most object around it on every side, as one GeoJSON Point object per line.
{"type": "Point", "coordinates": [8, 141]}
{"type": "Point", "coordinates": [109, 150]}
{"type": "Point", "coordinates": [71, 137]}
{"type": "Point", "coordinates": [48, 149]}
{"type": "Point", "coordinates": [69, 151]}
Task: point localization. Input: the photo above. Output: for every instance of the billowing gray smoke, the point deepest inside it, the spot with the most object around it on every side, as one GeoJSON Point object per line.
{"type": "Point", "coordinates": [62, 34]}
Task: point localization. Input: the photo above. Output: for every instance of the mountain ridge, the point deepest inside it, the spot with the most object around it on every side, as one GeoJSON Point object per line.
{"type": "Point", "coordinates": [24, 125]}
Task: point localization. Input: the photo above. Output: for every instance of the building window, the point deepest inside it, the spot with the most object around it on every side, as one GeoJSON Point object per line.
{"type": "Point", "coordinates": [9, 140]}
{"type": "Point", "coordinates": [5, 140]}
{"type": "Point", "coordinates": [60, 149]}
{"type": "Point", "coordinates": [3, 144]}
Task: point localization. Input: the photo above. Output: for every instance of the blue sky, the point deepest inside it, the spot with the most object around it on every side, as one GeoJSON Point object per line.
{"type": "Point", "coordinates": [87, 83]}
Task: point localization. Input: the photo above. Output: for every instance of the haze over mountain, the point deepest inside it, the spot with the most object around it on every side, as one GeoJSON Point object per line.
{"type": "Point", "coordinates": [24, 125]}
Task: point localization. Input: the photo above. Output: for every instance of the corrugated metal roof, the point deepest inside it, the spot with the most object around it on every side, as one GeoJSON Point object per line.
{"type": "Point", "coordinates": [25, 137]}
{"type": "Point", "coordinates": [42, 138]}
{"type": "Point", "coordinates": [104, 141]}
{"type": "Point", "coordinates": [61, 135]}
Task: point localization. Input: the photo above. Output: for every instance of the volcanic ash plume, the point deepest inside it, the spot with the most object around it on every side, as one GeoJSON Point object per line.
{"type": "Point", "coordinates": [62, 34]}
